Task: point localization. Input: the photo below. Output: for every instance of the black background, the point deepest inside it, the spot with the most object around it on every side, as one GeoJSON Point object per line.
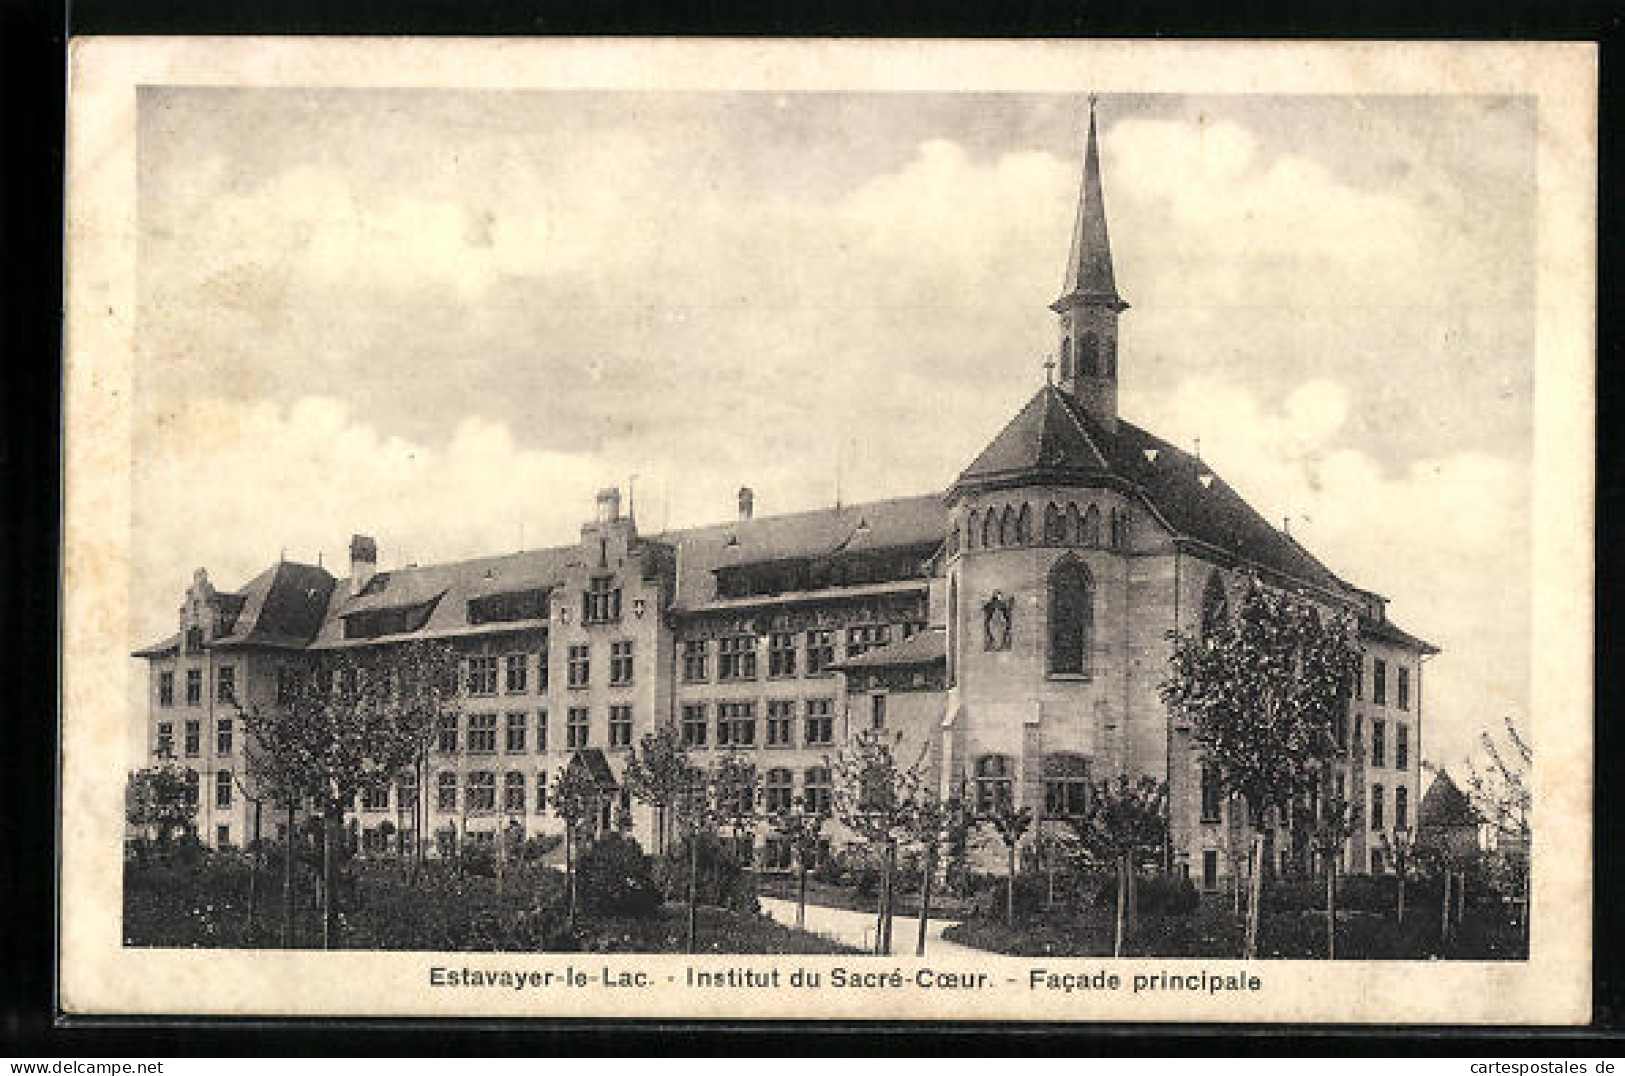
{"type": "Point", "coordinates": [33, 34]}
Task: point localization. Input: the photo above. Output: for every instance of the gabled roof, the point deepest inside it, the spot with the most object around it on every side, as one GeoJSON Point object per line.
{"type": "Point", "coordinates": [922, 648]}
{"type": "Point", "coordinates": [1446, 806]}
{"type": "Point", "coordinates": [162, 649]}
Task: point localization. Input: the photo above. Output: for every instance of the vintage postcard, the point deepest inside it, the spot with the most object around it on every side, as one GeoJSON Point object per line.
{"type": "Point", "coordinates": [864, 530]}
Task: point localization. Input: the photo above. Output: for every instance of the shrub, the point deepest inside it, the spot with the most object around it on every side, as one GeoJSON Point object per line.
{"type": "Point", "coordinates": [539, 847]}
{"type": "Point", "coordinates": [615, 878]}
{"type": "Point", "coordinates": [722, 880]}
{"type": "Point", "coordinates": [1155, 894]}
{"type": "Point", "coordinates": [480, 860]}
{"type": "Point", "coordinates": [991, 894]}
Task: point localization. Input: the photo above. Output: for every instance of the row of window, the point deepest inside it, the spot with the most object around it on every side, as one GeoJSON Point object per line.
{"type": "Point", "coordinates": [1066, 785]}
{"type": "Point", "coordinates": [1379, 740]}
{"type": "Point", "coordinates": [812, 651]}
{"type": "Point", "coordinates": [736, 723]}
{"type": "Point", "coordinates": [483, 670]}
{"type": "Point", "coordinates": [481, 734]}
{"type": "Point", "coordinates": [192, 743]}
{"type": "Point", "coordinates": [1379, 684]}
{"type": "Point", "coordinates": [1213, 800]}
{"type": "Point", "coordinates": [225, 686]}
{"type": "Point", "coordinates": [1013, 526]}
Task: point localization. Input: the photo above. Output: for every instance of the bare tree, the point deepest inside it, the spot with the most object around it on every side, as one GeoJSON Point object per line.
{"type": "Point", "coordinates": [1125, 816]}
{"type": "Point", "coordinates": [875, 797]}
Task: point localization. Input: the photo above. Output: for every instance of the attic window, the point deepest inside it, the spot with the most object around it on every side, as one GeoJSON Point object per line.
{"type": "Point", "coordinates": [1151, 455]}
{"type": "Point", "coordinates": [509, 606]}
{"type": "Point", "coordinates": [1206, 480]}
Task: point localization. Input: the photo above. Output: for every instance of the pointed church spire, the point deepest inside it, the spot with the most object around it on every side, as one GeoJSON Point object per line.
{"type": "Point", "coordinates": [1089, 269]}
{"type": "Point", "coordinates": [1089, 303]}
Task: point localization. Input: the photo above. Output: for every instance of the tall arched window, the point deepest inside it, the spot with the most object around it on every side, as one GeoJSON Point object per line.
{"type": "Point", "coordinates": [1071, 616]}
{"type": "Point", "coordinates": [995, 784]}
{"type": "Point", "coordinates": [1089, 355]}
{"type": "Point", "coordinates": [1054, 525]}
{"type": "Point", "coordinates": [1024, 526]}
{"type": "Point", "coordinates": [1066, 358]}
{"type": "Point", "coordinates": [1091, 526]}
{"type": "Point", "coordinates": [988, 532]}
{"type": "Point", "coordinates": [1215, 606]}
{"type": "Point", "coordinates": [1007, 527]}
{"type": "Point", "coordinates": [1074, 525]}
{"type": "Point", "coordinates": [971, 524]}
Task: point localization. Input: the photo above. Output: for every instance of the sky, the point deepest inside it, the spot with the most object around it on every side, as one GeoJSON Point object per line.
{"type": "Point", "coordinates": [445, 318]}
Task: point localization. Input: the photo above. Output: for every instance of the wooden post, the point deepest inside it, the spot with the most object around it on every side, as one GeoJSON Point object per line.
{"type": "Point", "coordinates": [1122, 906]}
{"type": "Point", "coordinates": [1255, 898]}
{"type": "Point", "coordinates": [925, 895]}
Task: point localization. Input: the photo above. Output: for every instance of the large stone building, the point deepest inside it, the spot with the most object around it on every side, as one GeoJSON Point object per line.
{"type": "Point", "coordinates": [1013, 628]}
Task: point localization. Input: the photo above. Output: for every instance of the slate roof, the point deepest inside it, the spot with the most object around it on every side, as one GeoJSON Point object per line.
{"type": "Point", "coordinates": [922, 648]}
{"type": "Point", "coordinates": [283, 606]}
{"type": "Point", "coordinates": [1446, 806]}
{"type": "Point", "coordinates": [1389, 632]}
{"type": "Point", "coordinates": [1089, 266]}
{"type": "Point", "coordinates": [1052, 440]}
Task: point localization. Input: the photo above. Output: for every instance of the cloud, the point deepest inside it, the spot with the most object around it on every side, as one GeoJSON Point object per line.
{"type": "Point", "coordinates": [1446, 539]}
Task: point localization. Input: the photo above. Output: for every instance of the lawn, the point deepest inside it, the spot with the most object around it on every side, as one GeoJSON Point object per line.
{"type": "Point", "coordinates": [1214, 931]}
{"type": "Point", "coordinates": [201, 900]}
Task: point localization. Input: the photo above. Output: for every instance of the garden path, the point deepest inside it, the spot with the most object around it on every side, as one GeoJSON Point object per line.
{"type": "Point", "coordinates": [857, 929]}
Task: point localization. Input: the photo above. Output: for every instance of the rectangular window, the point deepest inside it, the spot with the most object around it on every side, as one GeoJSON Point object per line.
{"type": "Point", "coordinates": [820, 651]}
{"type": "Point", "coordinates": [166, 740]}
{"type": "Point", "coordinates": [1379, 742]}
{"type": "Point", "coordinates": [620, 662]}
{"type": "Point", "coordinates": [781, 654]}
{"type": "Point", "coordinates": [222, 836]}
{"type": "Point", "coordinates": [620, 726]}
{"type": "Point", "coordinates": [778, 791]}
{"type": "Point", "coordinates": [694, 726]}
{"type": "Point", "coordinates": [482, 733]}
{"type": "Point", "coordinates": [515, 741]}
{"type": "Point", "coordinates": [513, 792]}
{"type": "Point", "coordinates": [225, 683]}
{"type": "Point", "coordinates": [166, 689]}
{"type": "Point", "coordinates": [1402, 747]}
{"type": "Point", "coordinates": [1359, 679]}
{"type": "Point", "coordinates": [406, 793]}
{"type": "Point", "coordinates": [446, 791]}
{"type": "Point", "coordinates": [1376, 807]}
{"type": "Point", "coordinates": [222, 736]}
{"type": "Point", "coordinates": [866, 637]}
{"type": "Point", "coordinates": [544, 676]}
{"type": "Point", "coordinates": [194, 737]}
{"type": "Point", "coordinates": [736, 724]}
{"type": "Point", "coordinates": [541, 792]}
{"type": "Point", "coordinates": [375, 798]}
{"type": "Point", "coordinates": [194, 686]}
{"type": "Point", "coordinates": [518, 673]}
{"type": "Point", "coordinates": [1379, 681]}
{"type": "Point", "coordinates": [482, 675]}
{"type": "Point", "coordinates": [1212, 794]}
{"type": "Point", "coordinates": [695, 652]}
{"type": "Point", "coordinates": [1402, 807]}
{"type": "Point", "coordinates": [541, 730]}
{"type": "Point", "coordinates": [1340, 729]}
{"type": "Point", "coordinates": [579, 668]}
{"type": "Point", "coordinates": [877, 711]}
{"type": "Point", "coordinates": [737, 658]}
{"type": "Point", "coordinates": [779, 717]}
{"type": "Point", "coordinates": [815, 790]}
{"type": "Point", "coordinates": [1404, 689]}
{"type": "Point", "coordinates": [575, 727]}
{"type": "Point", "coordinates": [446, 734]}
{"type": "Point", "coordinates": [1342, 786]}
{"type": "Point", "coordinates": [1210, 870]}
{"type": "Point", "coordinates": [482, 791]}
{"type": "Point", "coordinates": [222, 789]}
{"type": "Point", "coordinates": [820, 724]}
{"type": "Point", "coordinates": [601, 602]}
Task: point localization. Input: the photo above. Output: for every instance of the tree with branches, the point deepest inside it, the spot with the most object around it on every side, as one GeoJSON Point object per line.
{"type": "Point", "coordinates": [694, 813]}
{"type": "Point", "coordinates": [576, 798]}
{"type": "Point", "coordinates": [936, 824]}
{"type": "Point", "coordinates": [657, 774]}
{"type": "Point", "coordinates": [347, 725]}
{"type": "Point", "coordinates": [1262, 690]}
{"type": "Point", "coordinates": [1010, 824]}
{"type": "Point", "coordinates": [160, 798]}
{"type": "Point", "coordinates": [1498, 787]}
{"type": "Point", "coordinates": [802, 831]}
{"type": "Point", "coordinates": [1125, 816]}
{"type": "Point", "coordinates": [1331, 831]}
{"type": "Point", "coordinates": [734, 800]}
{"type": "Point", "coordinates": [876, 796]}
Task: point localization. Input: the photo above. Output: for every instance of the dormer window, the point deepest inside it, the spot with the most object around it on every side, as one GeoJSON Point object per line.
{"type": "Point", "coordinates": [194, 640]}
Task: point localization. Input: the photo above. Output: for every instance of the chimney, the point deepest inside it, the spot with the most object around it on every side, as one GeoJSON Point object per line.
{"type": "Point", "coordinates": [363, 562]}
{"type": "Point", "coordinates": [609, 504]}
{"type": "Point", "coordinates": [747, 503]}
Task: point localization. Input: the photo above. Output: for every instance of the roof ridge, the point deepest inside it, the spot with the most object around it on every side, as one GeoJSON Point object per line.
{"type": "Point", "coordinates": [1071, 412]}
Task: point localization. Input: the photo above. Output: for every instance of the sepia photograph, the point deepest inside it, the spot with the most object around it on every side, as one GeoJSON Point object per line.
{"type": "Point", "coordinates": [977, 546]}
